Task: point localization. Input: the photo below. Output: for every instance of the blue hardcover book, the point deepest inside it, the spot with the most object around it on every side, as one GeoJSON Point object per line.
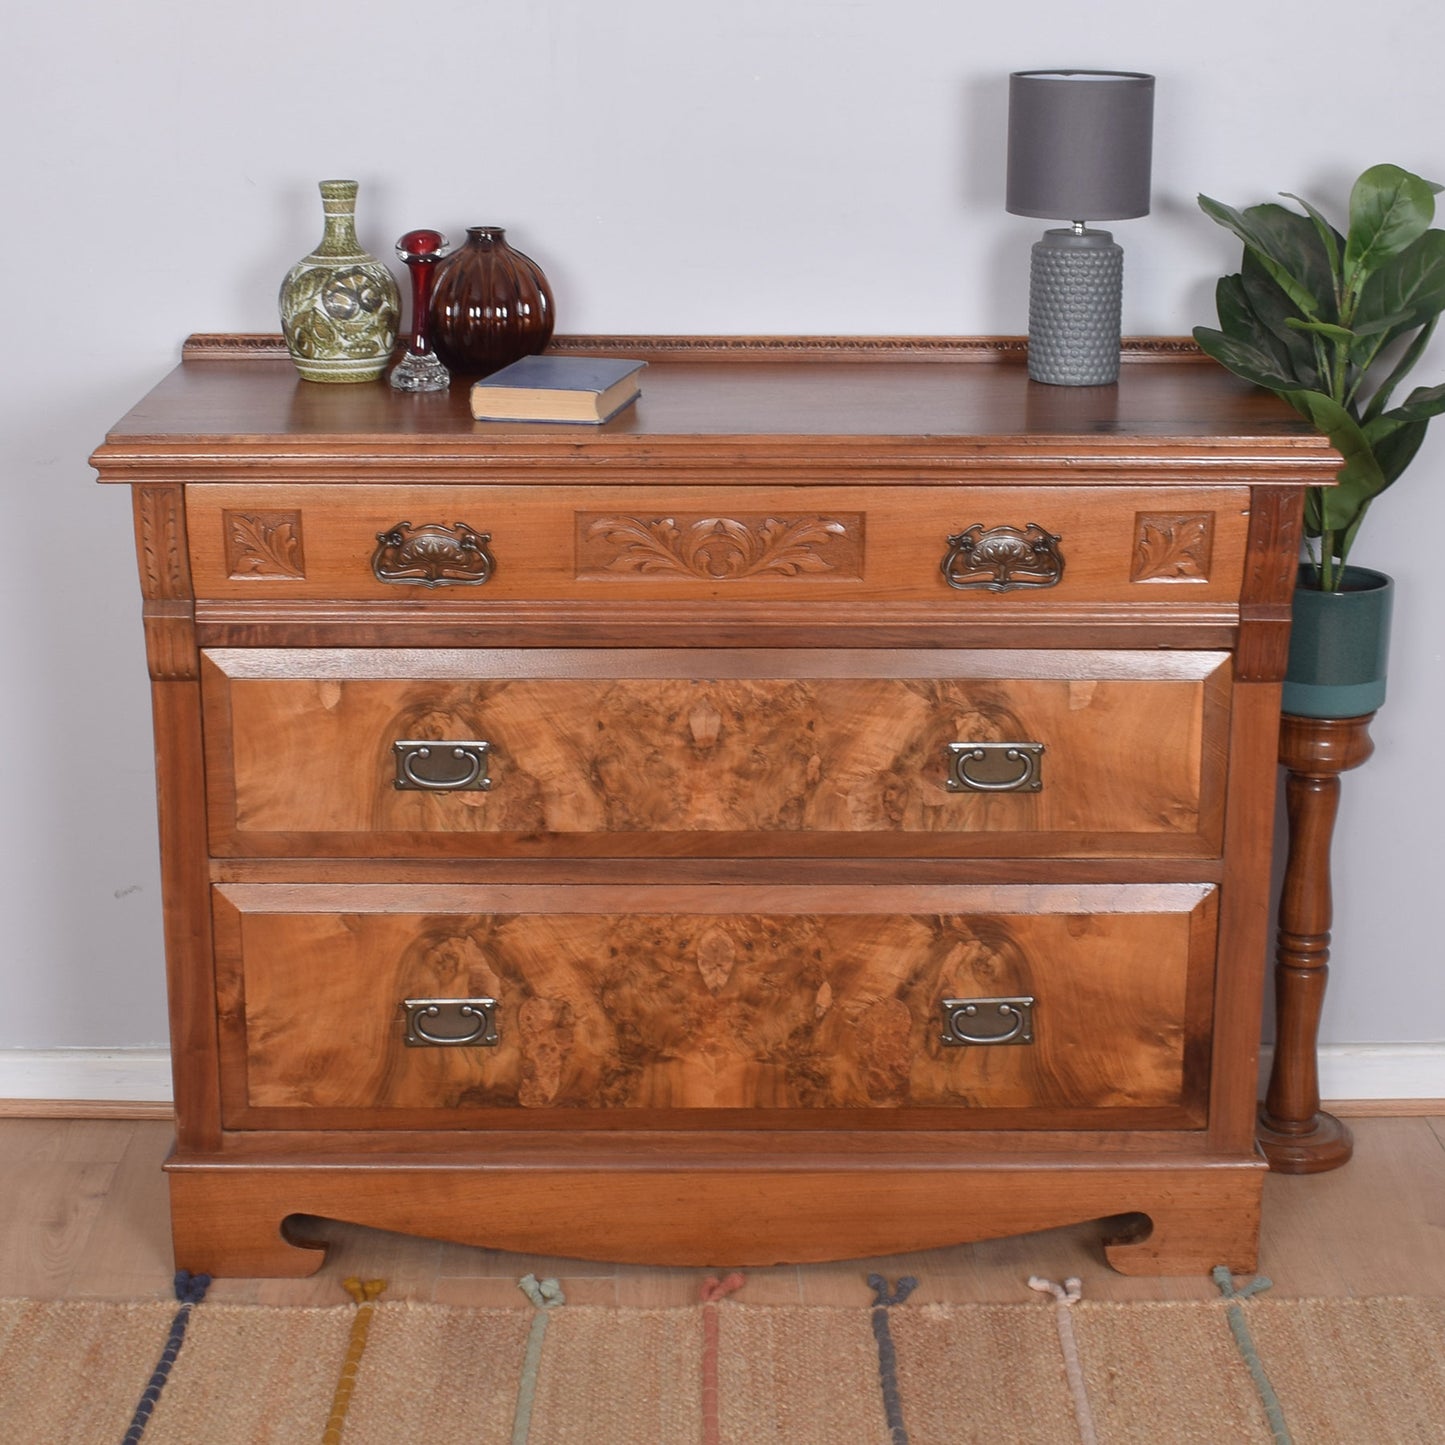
{"type": "Point", "coordinates": [587, 389]}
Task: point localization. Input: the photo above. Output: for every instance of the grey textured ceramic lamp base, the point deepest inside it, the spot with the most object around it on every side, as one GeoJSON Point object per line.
{"type": "Point", "coordinates": [1076, 287]}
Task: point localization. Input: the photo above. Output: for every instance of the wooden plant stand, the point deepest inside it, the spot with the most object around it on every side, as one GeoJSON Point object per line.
{"type": "Point", "coordinates": [1296, 1136]}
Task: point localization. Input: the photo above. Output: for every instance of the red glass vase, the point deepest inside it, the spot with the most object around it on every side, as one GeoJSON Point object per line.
{"type": "Point", "coordinates": [490, 305]}
{"type": "Point", "coordinates": [421, 369]}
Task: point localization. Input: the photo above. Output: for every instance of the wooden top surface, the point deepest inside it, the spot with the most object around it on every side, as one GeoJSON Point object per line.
{"type": "Point", "coordinates": [922, 405]}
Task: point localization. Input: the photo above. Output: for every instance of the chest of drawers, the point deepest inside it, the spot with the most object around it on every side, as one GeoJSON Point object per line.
{"type": "Point", "coordinates": [824, 812]}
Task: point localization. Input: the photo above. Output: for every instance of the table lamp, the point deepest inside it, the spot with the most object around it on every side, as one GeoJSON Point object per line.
{"type": "Point", "coordinates": [1079, 148]}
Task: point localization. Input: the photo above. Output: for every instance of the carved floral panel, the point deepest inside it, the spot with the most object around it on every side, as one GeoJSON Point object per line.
{"type": "Point", "coordinates": [718, 549]}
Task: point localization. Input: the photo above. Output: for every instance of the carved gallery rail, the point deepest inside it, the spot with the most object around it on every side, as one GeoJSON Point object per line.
{"type": "Point", "coordinates": [824, 811]}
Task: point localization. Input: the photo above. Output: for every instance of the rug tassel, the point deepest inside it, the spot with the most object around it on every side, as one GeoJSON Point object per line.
{"type": "Point", "coordinates": [547, 1295]}
{"type": "Point", "coordinates": [1065, 1296]}
{"type": "Point", "coordinates": [190, 1289]}
{"type": "Point", "coordinates": [1244, 1340]}
{"type": "Point", "coordinates": [364, 1292]}
{"type": "Point", "coordinates": [713, 1290]}
{"type": "Point", "coordinates": [883, 1300]}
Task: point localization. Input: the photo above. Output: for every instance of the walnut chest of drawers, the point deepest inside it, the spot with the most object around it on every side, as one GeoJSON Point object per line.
{"type": "Point", "coordinates": [825, 811]}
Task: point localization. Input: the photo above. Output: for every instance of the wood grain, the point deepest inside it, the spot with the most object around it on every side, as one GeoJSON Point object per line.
{"type": "Point", "coordinates": [1371, 1229]}
{"type": "Point", "coordinates": [706, 408]}
{"type": "Point", "coordinates": [1297, 1138]}
{"type": "Point", "coordinates": [647, 1004]}
{"type": "Point", "coordinates": [1276, 530]}
{"type": "Point", "coordinates": [169, 611]}
{"type": "Point", "coordinates": [889, 542]}
{"type": "Point", "coordinates": [230, 1223]}
{"type": "Point", "coordinates": [301, 753]}
{"type": "Point", "coordinates": [1244, 921]}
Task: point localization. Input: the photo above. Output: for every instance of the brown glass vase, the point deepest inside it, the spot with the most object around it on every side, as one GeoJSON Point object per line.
{"type": "Point", "coordinates": [490, 305]}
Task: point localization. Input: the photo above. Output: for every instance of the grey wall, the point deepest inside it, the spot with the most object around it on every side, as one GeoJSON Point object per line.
{"type": "Point", "coordinates": [765, 166]}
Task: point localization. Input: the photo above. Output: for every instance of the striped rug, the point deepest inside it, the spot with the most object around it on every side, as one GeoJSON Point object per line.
{"type": "Point", "coordinates": [1051, 1370]}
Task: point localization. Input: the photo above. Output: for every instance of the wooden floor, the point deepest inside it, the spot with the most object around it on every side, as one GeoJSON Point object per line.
{"type": "Point", "coordinates": [83, 1215]}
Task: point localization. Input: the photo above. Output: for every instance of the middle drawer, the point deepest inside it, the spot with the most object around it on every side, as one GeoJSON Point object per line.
{"type": "Point", "coordinates": [742, 753]}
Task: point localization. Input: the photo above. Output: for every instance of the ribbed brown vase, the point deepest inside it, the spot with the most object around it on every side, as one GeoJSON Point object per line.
{"type": "Point", "coordinates": [490, 306]}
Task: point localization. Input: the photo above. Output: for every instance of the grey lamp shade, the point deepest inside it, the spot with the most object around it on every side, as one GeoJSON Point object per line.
{"type": "Point", "coordinates": [1080, 144]}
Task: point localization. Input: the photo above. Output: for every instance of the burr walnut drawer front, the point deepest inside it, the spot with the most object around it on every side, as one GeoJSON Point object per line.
{"type": "Point", "coordinates": [743, 753]}
{"type": "Point", "coordinates": [913, 1006]}
{"type": "Point", "coordinates": [821, 542]}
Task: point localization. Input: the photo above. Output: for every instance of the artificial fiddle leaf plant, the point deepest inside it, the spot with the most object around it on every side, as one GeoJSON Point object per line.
{"type": "Point", "coordinates": [1333, 324]}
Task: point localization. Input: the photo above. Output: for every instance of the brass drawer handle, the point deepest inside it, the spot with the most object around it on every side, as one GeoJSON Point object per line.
{"type": "Point", "coordinates": [450, 1023]}
{"type": "Point", "coordinates": [987, 1022]}
{"type": "Point", "coordinates": [1003, 558]}
{"type": "Point", "coordinates": [423, 767]}
{"type": "Point", "coordinates": [433, 556]}
{"type": "Point", "coordinates": [995, 768]}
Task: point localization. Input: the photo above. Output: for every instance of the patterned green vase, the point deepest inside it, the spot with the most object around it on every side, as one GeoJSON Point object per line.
{"type": "Point", "coordinates": [340, 307]}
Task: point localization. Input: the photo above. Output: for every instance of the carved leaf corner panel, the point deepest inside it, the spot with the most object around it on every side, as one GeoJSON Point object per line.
{"type": "Point", "coordinates": [263, 544]}
{"type": "Point", "coordinates": [1173, 548]}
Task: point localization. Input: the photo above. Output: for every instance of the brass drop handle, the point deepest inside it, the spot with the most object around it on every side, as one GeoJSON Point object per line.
{"type": "Point", "coordinates": [987, 1022]}
{"type": "Point", "coordinates": [450, 1023]}
{"type": "Point", "coordinates": [433, 555]}
{"type": "Point", "coordinates": [995, 767]}
{"type": "Point", "coordinates": [1003, 559]}
{"type": "Point", "coordinates": [442, 767]}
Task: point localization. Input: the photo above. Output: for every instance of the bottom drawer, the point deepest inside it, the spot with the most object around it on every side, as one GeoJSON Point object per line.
{"type": "Point", "coordinates": [524, 1006]}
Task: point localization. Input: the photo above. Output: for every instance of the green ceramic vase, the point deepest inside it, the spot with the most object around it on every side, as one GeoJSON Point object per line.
{"type": "Point", "coordinates": [340, 306]}
{"type": "Point", "coordinates": [1339, 646]}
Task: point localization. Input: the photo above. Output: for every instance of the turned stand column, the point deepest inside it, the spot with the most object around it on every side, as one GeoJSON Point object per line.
{"type": "Point", "coordinates": [1297, 1138]}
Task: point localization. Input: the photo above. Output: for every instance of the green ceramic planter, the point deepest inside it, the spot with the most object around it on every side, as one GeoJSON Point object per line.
{"type": "Point", "coordinates": [1339, 646]}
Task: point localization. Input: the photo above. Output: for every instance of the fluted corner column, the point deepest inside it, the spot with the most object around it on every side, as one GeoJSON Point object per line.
{"type": "Point", "coordinates": [1295, 1135]}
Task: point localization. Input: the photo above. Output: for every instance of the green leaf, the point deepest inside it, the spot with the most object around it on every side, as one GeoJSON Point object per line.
{"type": "Point", "coordinates": [1241, 321]}
{"type": "Point", "coordinates": [1395, 324]}
{"type": "Point", "coordinates": [1408, 291]}
{"type": "Point", "coordinates": [1360, 479]}
{"type": "Point", "coordinates": [1389, 209]}
{"type": "Point", "coordinates": [1247, 359]}
{"type": "Point", "coordinates": [1286, 246]}
{"type": "Point", "coordinates": [1410, 284]}
{"type": "Point", "coordinates": [1296, 244]}
{"type": "Point", "coordinates": [1322, 328]}
{"type": "Point", "coordinates": [1395, 440]}
{"type": "Point", "coordinates": [1346, 540]}
{"type": "Point", "coordinates": [1422, 403]}
{"type": "Point", "coordinates": [1236, 314]}
{"type": "Point", "coordinates": [1403, 367]}
{"type": "Point", "coordinates": [1330, 238]}
{"type": "Point", "coordinates": [1273, 311]}
{"type": "Point", "coordinates": [1313, 518]}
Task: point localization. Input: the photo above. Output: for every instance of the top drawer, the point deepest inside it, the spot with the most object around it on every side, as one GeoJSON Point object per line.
{"type": "Point", "coordinates": [820, 542]}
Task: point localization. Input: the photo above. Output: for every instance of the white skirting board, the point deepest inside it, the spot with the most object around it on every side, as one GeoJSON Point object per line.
{"type": "Point", "coordinates": [1347, 1071]}
{"type": "Point", "coordinates": [1374, 1071]}
{"type": "Point", "coordinates": [107, 1075]}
